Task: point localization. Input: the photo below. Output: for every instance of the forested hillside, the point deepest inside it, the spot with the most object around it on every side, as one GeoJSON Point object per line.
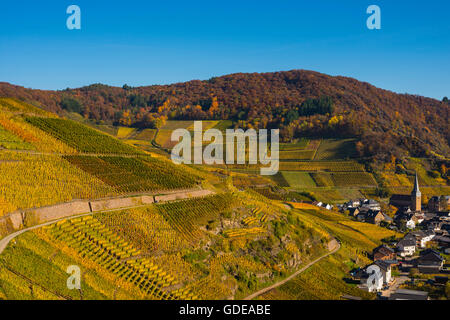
{"type": "Point", "coordinates": [300, 103]}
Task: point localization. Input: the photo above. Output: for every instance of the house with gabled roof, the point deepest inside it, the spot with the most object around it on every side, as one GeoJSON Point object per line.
{"type": "Point", "coordinates": [383, 252]}
{"type": "Point", "coordinates": [406, 247]}
{"type": "Point", "coordinates": [374, 216]}
{"type": "Point", "coordinates": [430, 261]}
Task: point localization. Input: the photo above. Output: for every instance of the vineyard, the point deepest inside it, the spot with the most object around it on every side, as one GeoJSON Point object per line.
{"type": "Point", "coordinates": [28, 181]}
{"type": "Point", "coordinates": [93, 240]}
{"type": "Point", "coordinates": [322, 179]}
{"type": "Point", "coordinates": [81, 138]}
{"type": "Point", "coordinates": [10, 141]}
{"type": "Point", "coordinates": [300, 145]}
{"type": "Point", "coordinates": [146, 135]}
{"type": "Point", "coordinates": [24, 136]}
{"type": "Point", "coordinates": [124, 132]}
{"type": "Point", "coordinates": [243, 232]}
{"type": "Point", "coordinates": [297, 155]}
{"type": "Point", "coordinates": [298, 179]}
{"type": "Point", "coordinates": [19, 107]}
{"type": "Point", "coordinates": [185, 215]}
{"type": "Point", "coordinates": [353, 179]}
{"type": "Point", "coordinates": [133, 174]}
{"type": "Point", "coordinates": [336, 149]}
{"type": "Point", "coordinates": [332, 166]}
{"type": "Point", "coordinates": [254, 231]}
{"type": "Point", "coordinates": [163, 139]}
{"type": "Point", "coordinates": [145, 228]}
{"type": "Point", "coordinates": [324, 279]}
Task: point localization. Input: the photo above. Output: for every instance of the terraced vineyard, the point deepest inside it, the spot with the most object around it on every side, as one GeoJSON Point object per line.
{"type": "Point", "coordinates": [185, 215]}
{"type": "Point", "coordinates": [243, 232]}
{"type": "Point", "coordinates": [81, 138]}
{"type": "Point", "coordinates": [223, 246]}
{"type": "Point", "coordinates": [93, 240]}
{"type": "Point", "coordinates": [145, 228]}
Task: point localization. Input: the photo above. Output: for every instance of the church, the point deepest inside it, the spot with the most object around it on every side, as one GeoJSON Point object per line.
{"type": "Point", "coordinates": [413, 201]}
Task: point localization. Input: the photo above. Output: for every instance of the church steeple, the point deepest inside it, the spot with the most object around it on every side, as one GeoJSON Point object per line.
{"type": "Point", "coordinates": [416, 196]}
{"type": "Point", "coordinates": [416, 189]}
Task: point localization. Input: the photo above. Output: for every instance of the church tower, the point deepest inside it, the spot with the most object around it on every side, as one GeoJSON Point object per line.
{"type": "Point", "coordinates": [416, 197]}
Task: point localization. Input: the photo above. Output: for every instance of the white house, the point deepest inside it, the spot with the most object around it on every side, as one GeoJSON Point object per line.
{"type": "Point", "coordinates": [386, 273]}
{"type": "Point", "coordinates": [410, 224]}
{"type": "Point", "coordinates": [406, 246]}
{"type": "Point", "coordinates": [386, 270]}
{"type": "Point", "coordinates": [425, 237]}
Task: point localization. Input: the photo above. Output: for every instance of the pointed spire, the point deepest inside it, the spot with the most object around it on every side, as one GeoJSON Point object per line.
{"type": "Point", "coordinates": [416, 189]}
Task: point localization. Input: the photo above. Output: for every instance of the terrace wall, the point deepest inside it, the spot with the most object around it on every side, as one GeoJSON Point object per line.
{"type": "Point", "coordinates": [25, 218]}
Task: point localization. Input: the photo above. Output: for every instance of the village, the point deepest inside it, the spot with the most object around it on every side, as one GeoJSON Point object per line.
{"type": "Point", "coordinates": [413, 267]}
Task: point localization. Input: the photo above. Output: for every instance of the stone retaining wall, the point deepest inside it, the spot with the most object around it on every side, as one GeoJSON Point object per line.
{"type": "Point", "coordinates": [58, 211]}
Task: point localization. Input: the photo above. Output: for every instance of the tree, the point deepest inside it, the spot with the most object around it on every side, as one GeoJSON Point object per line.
{"type": "Point", "coordinates": [445, 100]}
{"type": "Point", "coordinates": [125, 118]}
{"type": "Point", "coordinates": [71, 105]}
{"type": "Point", "coordinates": [291, 116]}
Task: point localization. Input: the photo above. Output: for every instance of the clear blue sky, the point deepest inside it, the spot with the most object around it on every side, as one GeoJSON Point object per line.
{"type": "Point", "coordinates": [160, 42]}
